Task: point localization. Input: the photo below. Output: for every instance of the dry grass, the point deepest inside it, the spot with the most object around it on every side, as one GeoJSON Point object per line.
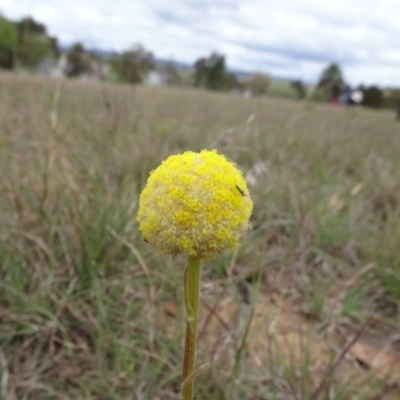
{"type": "Point", "coordinates": [89, 311]}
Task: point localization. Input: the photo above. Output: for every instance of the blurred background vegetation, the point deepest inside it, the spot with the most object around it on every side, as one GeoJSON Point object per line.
{"type": "Point", "coordinates": [25, 45]}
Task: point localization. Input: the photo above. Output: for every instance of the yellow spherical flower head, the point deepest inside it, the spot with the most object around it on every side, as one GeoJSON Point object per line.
{"type": "Point", "coordinates": [195, 203]}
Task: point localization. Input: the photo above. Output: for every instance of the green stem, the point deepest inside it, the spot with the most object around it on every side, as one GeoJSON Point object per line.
{"type": "Point", "coordinates": [191, 288]}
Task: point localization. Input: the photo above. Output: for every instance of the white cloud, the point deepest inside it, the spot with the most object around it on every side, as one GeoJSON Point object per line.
{"type": "Point", "coordinates": [6, 3]}
{"type": "Point", "coordinates": [293, 38]}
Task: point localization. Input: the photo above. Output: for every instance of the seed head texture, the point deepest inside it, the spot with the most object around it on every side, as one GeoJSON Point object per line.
{"type": "Point", "coordinates": [195, 203]}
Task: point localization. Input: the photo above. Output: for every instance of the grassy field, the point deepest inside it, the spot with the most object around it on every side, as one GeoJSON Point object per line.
{"type": "Point", "coordinates": [307, 308]}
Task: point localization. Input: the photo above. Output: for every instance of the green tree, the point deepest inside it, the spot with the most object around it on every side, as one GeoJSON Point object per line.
{"type": "Point", "coordinates": [232, 82]}
{"type": "Point", "coordinates": [78, 61]}
{"type": "Point", "coordinates": [210, 72]}
{"type": "Point", "coordinates": [299, 88]}
{"type": "Point", "coordinates": [200, 72]}
{"type": "Point", "coordinates": [258, 84]}
{"type": "Point", "coordinates": [170, 74]}
{"type": "Point", "coordinates": [373, 97]}
{"type": "Point", "coordinates": [330, 81]}
{"type": "Point", "coordinates": [133, 66]}
{"type": "Point", "coordinates": [33, 43]}
{"type": "Point", "coordinates": [391, 98]}
{"type": "Point", "coordinates": [8, 43]}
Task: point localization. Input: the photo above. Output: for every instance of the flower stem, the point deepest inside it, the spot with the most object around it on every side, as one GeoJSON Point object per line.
{"type": "Point", "coordinates": [191, 289]}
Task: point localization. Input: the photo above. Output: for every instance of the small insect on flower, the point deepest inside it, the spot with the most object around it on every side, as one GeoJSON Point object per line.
{"type": "Point", "coordinates": [241, 191]}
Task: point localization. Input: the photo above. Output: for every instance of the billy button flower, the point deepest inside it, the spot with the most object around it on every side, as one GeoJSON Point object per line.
{"type": "Point", "coordinates": [197, 204]}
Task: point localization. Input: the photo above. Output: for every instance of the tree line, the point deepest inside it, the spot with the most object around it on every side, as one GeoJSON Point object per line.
{"type": "Point", "coordinates": [26, 44]}
{"type": "Point", "coordinates": [331, 81]}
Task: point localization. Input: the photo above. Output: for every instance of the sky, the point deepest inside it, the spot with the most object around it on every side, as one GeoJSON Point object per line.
{"type": "Point", "coordinates": [292, 39]}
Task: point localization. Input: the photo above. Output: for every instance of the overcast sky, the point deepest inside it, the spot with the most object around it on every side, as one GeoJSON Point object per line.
{"type": "Point", "coordinates": [287, 38]}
